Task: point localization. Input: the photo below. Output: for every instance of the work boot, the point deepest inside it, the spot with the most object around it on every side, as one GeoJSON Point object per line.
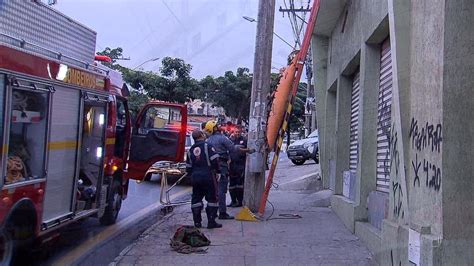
{"type": "Point", "coordinates": [239, 197]}
{"type": "Point", "coordinates": [233, 196]}
{"type": "Point", "coordinates": [197, 216]}
{"type": "Point", "coordinates": [225, 216]}
{"type": "Point", "coordinates": [211, 218]}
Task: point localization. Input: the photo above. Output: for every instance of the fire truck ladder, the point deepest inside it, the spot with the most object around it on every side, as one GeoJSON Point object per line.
{"type": "Point", "coordinates": [300, 60]}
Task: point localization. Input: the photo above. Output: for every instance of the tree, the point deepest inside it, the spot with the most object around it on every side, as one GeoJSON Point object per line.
{"type": "Point", "coordinates": [297, 115]}
{"type": "Point", "coordinates": [136, 101]}
{"type": "Point", "coordinates": [231, 91]}
{"type": "Point", "coordinates": [175, 83]}
{"type": "Point", "coordinates": [114, 54]}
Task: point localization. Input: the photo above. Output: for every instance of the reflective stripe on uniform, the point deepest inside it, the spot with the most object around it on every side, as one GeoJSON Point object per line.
{"type": "Point", "coordinates": [207, 154]}
{"type": "Point", "coordinates": [189, 165]}
{"type": "Point", "coordinates": [239, 186]}
{"type": "Point", "coordinates": [215, 156]}
{"type": "Point", "coordinates": [199, 204]}
{"type": "Point", "coordinates": [212, 204]}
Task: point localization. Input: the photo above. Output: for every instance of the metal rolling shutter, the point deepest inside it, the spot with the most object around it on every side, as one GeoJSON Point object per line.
{"type": "Point", "coordinates": [62, 153]}
{"type": "Point", "coordinates": [354, 134]}
{"type": "Point", "coordinates": [384, 112]}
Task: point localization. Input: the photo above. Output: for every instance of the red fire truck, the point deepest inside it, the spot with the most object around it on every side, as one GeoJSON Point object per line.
{"type": "Point", "coordinates": [68, 146]}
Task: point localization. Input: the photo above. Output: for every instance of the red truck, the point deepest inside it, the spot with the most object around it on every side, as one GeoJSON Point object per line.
{"type": "Point", "coordinates": [68, 146]}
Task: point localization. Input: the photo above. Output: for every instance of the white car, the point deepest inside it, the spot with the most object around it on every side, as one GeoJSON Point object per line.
{"type": "Point", "coordinates": [304, 149]}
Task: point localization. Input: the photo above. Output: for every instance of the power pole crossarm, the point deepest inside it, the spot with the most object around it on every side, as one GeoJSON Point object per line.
{"type": "Point", "coordinates": [294, 9]}
{"type": "Point", "coordinates": [256, 162]}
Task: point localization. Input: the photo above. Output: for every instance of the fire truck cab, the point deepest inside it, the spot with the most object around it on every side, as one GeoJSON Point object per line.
{"type": "Point", "coordinates": [68, 145]}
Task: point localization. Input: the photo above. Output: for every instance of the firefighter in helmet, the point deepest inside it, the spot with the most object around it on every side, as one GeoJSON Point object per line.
{"type": "Point", "coordinates": [237, 168]}
{"type": "Point", "coordinates": [203, 166]}
{"type": "Point", "coordinates": [224, 147]}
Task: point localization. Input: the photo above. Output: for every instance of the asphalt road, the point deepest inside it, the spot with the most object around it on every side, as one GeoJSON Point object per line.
{"type": "Point", "coordinates": [139, 197]}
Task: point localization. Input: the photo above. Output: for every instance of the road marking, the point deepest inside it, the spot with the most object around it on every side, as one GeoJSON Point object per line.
{"type": "Point", "coordinates": [298, 179]}
{"type": "Point", "coordinates": [82, 250]}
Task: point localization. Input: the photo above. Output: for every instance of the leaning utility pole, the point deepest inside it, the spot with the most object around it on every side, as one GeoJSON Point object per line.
{"type": "Point", "coordinates": [257, 162]}
{"type": "Point", "coordinates": [310, 123]}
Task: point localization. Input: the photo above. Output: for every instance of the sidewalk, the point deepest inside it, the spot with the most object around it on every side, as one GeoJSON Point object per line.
{"type": "Point", "coordinates": [318, 238]}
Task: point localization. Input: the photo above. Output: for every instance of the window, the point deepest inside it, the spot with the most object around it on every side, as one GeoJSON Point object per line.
{"type": "Point", "coordinates": [121, 114]}
{"type": "Point", "coordinates": [188, 141]}
{"type": "Point", "coordinates": [162, 117]}
{"type": "Point", "coordinates": [26, 150]}
{"type": "Point", "coordinates": [120, 128]}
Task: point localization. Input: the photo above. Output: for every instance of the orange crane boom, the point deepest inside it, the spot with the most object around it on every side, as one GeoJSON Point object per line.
{"type": "Point", "coordinates": [278, 121]}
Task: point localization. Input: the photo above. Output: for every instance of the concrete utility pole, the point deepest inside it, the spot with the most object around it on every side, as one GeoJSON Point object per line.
{"type": "Point", "coordinates": [257, 162]}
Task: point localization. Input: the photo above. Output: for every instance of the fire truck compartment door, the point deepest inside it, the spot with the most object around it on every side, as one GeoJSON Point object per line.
{"type": "Point", "coordinates": [159, 135]}
{"type": "Point", "coordinates": [62, 150]}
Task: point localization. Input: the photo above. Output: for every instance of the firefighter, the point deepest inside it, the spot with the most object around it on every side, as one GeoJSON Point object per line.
{"type": "Point", "coordinates": [224, 146]}
{"type": "Point", "coordinates": [237, 168]}
{"type": "Point", "coordinates": [203, 166]}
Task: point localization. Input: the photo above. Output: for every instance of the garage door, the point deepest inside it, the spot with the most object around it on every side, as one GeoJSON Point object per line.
{"type": "Point", "coordinates": [384, 118]}
{"type": "Point", "coordinates": [354, 134]}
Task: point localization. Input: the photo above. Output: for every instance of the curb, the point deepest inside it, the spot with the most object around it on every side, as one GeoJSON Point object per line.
{"type": "Point", "coordinates": [88, 247]}
{"type": "Point", "coordinates": [142, 235]}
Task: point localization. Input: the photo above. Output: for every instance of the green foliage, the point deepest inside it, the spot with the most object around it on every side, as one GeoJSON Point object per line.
{"type": "Point", "coordinates": [136, 101]}
{"type": "Point", "coordinates": [173, 83]}
{"type": "Point", "coordinates": [231, 91]}
{"type": "Point", "coordinates": [297, 114]}
{"type": "Point", "coordinates": [114, 54]}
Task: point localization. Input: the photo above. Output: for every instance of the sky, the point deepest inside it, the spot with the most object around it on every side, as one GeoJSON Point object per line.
{"type": "Point", "coordinates": [211, 35]}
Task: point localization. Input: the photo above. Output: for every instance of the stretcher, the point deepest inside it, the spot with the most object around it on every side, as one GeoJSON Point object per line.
{"type": "Point", "coordinates": [165, 169]}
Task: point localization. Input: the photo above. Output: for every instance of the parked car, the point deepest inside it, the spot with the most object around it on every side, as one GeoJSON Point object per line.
{"type": "Point", "coordinates": [304, 149]}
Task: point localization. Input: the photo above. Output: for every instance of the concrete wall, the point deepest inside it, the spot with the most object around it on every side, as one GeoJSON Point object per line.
{"type": "Point", "coordinates": [426, 111]}
{"type": "Point", "coordinates": [431, 199]}
{"type": "Point", "coordinates": [457, 186]}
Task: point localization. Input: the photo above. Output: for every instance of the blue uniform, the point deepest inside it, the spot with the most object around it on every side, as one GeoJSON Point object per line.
{"type": "Point", "coordinates": [224, 147]}
{"type": "Point", "coordinates": [202, 164]}
{"type": "Point", "coordinates": [237, 172]}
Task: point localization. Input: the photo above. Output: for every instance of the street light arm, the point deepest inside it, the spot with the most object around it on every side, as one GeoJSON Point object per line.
{"type": "Point", "coordinates": [279, 37]}
{"type": "Point", "coordinates": [149, 60]}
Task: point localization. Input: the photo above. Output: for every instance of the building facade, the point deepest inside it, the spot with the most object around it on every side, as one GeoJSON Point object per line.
{"type": "Point", "coordinates": [395, 104]}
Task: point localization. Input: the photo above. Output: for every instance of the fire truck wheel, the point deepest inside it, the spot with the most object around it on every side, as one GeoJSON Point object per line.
{"type": "Point", "coordinates": [6, 248]}
{"type": "Point", "coordinates": [114, 203]}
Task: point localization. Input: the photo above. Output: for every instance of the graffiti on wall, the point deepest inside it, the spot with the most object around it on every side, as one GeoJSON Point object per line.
{"type": "Point", "coordinates": [397, 200]}
{"type": "Point", "coordinates": [395, 166]}
{"type": "Point", "coordinates": [383, 132]}
{"type": "Point", "coordinates": [394, 154]}
{"type": "Point", "coordinates": [427, 138]}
